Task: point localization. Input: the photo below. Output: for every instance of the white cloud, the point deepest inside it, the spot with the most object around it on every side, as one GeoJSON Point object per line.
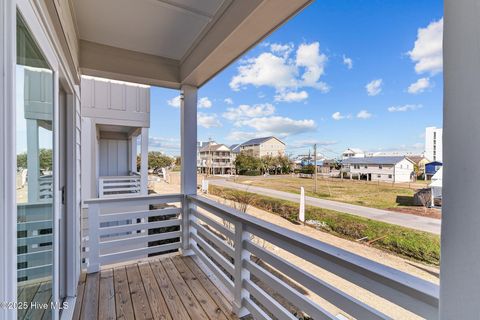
{"type": "Point", "coordinates": [374, 87]}
{"type": "Point", "coordinates": [348, 62]}
{"type": "Point", "coordinates": [228, 101]}
{"type": "Point", "coordinates": [338, 116]}
{"type": "Point", "coordinates": [245, 111]}
{"type": "Point", "coordinates": [364, 114]}
{"type": "Point", "coordinates": [309, 57]}
{"type": "Point", "coordinates": [279, 126]}
{"type": "Point", "coordinates": [291, 96]}
{"type": "Point", "coordinates": [164, 143]}
{"type": "Point", "coordinates": [404, 108]}
{"type": "Point", "coordinates": [419, 86]}
{"type": "Point", "coordinates": [242, 135]}
{"type": "Point", "coordinates": [208, 120]}
{"type": "Point", "coordinates": [174, 102]}
{"type": "Point", "coordinates": [282, 49]}
{"type": "Point", "coordinates": [427, 50]}
{"type": "Point", "coordinates": [280, 70]}
{"type": "Point", "coordinates": [204, 103]}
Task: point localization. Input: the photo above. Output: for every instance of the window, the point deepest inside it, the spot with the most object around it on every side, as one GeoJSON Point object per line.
{"type": "Point", "coordinates": [389, 176]}
{"type": "Point", "coordinates": [379, 175]}
{"type": "Point", "coordinates": [380, 166]}
{"type": "Point", "coordinates": [366, 167]}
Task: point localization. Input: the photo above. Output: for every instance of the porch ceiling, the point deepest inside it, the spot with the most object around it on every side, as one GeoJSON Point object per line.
{"type": "Point", "coordinates": [171, 42]}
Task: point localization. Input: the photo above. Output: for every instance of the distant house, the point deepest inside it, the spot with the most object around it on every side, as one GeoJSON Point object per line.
{"type": "Point", "coordinates": [260, 147]}
{"type": "Point", "coordinates": [431, 168]}
{"type": "Point", "coordinates": [420, 162]}
{"type": "Point", "coordinates": [385, 169]}
{"type": "Point", "coordinates": [215, 159]}
{"type": "Point", "coordinates": [353, 153]}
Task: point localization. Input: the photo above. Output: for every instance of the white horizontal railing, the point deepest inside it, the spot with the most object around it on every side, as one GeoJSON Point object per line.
{"type": "Point", "coordinates": [34, 241]}
{"type": "Point", "coordinates": [119, 186]}
{"type": "Point", "coordinates": [226, 240]}
{"type": "Point", "coordinates": [45, 185]}
{"type": "Point", "coordinates": [128, 228]}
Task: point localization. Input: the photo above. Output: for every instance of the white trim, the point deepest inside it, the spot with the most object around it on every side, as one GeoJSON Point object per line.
{"type": "Point", "coordinates": [8, 209]}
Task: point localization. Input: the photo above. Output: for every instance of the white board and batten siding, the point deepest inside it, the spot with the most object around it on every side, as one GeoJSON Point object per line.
{"type": "Point", "coordinates": [106, 100]}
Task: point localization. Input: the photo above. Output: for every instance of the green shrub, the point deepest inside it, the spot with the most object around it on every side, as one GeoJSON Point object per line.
{"type": "Point", "coordinates": [410, 243]}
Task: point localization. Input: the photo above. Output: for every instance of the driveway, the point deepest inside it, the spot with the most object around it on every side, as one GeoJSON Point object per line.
{"type": "Point", "coordinates": [405, 220]}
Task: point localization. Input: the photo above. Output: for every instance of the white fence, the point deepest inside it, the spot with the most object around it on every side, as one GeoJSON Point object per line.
{"type": "Point", "coordinates": [123, 229]}
{"type": "Point", "coordinates": [227, 247]}
{"type": "Point", "coordinates": [118, 186]}
{"type": "Point", "coordinates": [34, 242]}
{"type": "Point", "coordinates": [230, 244]}
{"type": "Point", "coordinates": [45, 185]}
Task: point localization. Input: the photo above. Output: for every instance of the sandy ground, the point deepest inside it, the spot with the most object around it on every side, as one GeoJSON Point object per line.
{"type": "Point", "coordinates": [429, 273]}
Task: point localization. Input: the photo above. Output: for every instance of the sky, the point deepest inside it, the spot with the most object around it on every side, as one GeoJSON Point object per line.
{"type": "Point", "coordinates": [342, 73]}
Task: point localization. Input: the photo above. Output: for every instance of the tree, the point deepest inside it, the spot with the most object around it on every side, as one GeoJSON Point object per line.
{"type": "Point", "coordinates": [156, 160]}
{"type": "Point", "coordinates": [285, 164]}
{"type": "Point", "coordinates": [44, 156]}
{"type": "Point", "coordinates": [245, 162]}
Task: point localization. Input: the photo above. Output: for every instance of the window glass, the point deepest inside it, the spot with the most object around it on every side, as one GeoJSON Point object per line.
{"type": "Point", "coordinates": [34, 175]}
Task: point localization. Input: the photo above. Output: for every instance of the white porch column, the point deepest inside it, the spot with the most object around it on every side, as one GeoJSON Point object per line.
{"type": "Point", "coordinates": [460, 263]}
{"type": "Point", "coordinates": [188, 133]}
{"type": "Point", "coordinates": [33, 160]}
{"type": "Point", "coordinates": [144, 163]}
{"type": "Point", "coordinates": [132, 153]}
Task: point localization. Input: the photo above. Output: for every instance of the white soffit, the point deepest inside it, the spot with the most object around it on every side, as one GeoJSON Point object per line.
{"type": "Point", "coordinates": [165, 28]}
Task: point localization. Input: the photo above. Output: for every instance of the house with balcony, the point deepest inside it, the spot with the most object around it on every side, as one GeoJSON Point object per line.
{"type": "Point", "coordinates": [71, 250]}
{"type": "Point", "coordinates": [216, 159]}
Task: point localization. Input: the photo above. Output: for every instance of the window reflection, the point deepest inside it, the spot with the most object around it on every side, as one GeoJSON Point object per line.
{"type": "Point", "coordinates": [34, 179]}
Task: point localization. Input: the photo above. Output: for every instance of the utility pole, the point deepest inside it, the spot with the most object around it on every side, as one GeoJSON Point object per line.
{"type": "Point", "coordinates": [315, 164]}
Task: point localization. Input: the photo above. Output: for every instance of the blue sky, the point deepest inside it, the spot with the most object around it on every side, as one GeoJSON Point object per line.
{"type": "Point", "coordinates": [307, 82]}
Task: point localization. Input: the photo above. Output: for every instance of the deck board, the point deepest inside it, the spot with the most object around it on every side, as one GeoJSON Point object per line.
{"type": "Point", "coordinates": [208, 304]}
{"type": "Point", "coordinates": [91, 298]}
{"type": "Point", "coordinates": [106, 304]}
{"type": "Point", "coordinates": [141, 306]}
{"type": "Point", "coordinates": [123, 299]}
{"type": "Point", "coordinates": [155, 297]}
{"type": "Point", "coordinates": [163, 288]}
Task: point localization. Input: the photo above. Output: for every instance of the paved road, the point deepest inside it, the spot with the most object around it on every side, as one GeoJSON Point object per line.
{"type": "Point", "coordinates": [401, 219]}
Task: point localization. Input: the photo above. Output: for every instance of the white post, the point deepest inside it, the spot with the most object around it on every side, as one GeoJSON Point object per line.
{"type": "Point", "coordinates": [188, 133]}
{"type": "Point", "coordinates": [93, 238]}
{"type": "Point", "coordinates": [301, 214]}
{"type": "Point", "coordinates": [144, 163]}
{"type": "Point", "coordinates": [460, 263]}
{"type": "Point", "coordinates": [33, 161]}
{"type": "Point", "coordinates": [239, 293]}
{"type": "Point", "coordinates": [133, 153]}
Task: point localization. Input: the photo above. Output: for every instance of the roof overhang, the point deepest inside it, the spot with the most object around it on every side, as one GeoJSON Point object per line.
{"type": "Point", "coordinates": [117, 39]}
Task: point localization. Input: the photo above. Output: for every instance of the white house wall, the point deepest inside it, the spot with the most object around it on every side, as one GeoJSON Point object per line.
{"type": "Point", "coordinates": [110, 101]}
{"type": "Point", "coordinates": [113, 157]}
{"type": "Point", "coordinates": [400, 173]}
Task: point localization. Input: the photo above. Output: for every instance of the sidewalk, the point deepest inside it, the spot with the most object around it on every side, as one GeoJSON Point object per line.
{"type": "Point", "coordinates": [405, 220]}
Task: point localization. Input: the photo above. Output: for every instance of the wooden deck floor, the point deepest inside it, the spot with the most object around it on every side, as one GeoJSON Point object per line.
{"type": "Point", "coordinates": [165, 288]}
{"type": "Point", "coordinates": [40, 293]}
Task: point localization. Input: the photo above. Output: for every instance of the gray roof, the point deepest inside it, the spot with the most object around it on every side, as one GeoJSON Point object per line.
{"type": "Point", "coordinates": [256, 141]}
{"type": "Point", "coordinates": [374, 160]}
{"type": "Point", "coordinates": [213, 147]}
{"type": "Point", "coordinates": [235, 148]}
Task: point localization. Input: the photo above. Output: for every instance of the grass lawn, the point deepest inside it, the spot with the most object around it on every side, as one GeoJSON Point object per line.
{"type": "Point", "coordinates": [368, 194]}
{"type": "Point", "coordinates": [413, 244]}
